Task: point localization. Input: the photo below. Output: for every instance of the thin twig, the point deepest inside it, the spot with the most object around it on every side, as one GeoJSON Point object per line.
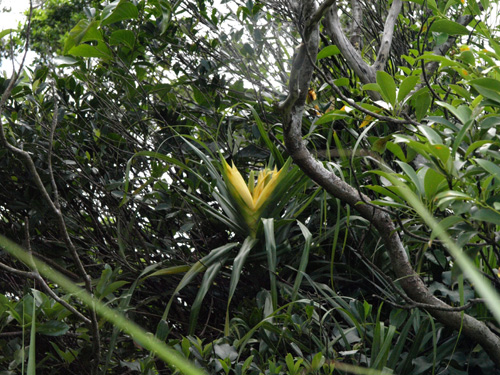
{"type": "Point", "coordinates": [418, 305]}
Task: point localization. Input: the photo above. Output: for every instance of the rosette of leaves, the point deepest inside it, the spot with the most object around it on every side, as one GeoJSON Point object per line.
{"type": "Point", "coordinates": [247, 208]}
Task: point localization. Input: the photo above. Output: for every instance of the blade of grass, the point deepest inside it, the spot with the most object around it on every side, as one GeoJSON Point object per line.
{"type": "Point", "coordinates": [125, 301]}
{"type": "Point", "coordinates": [32, 350]}
{"type": "Point", "coordinates": [395, 355]}
{"type": "Point", "coordinates": [117, 319]}
{"type": "Point", "coordinates": [381, 359]}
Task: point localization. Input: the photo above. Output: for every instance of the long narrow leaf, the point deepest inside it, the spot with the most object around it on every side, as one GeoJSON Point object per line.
{"type": "Point", "coordinates": [485, 289]}
{"type": "Point", "coordinates": [32, 350]}
{"type": "Point", "coordinates": [206, 283]}
{"type": "Point", "coordinates": [270, 145]}
{"type": "Point", "coordinates": [271, 258]}
{"type": "Point", "coordinates": [149, 342]}
{"type": "Point", "coordinates": [214, 256]}
{"type": "Point", "coordinates": [304, 260]}
{"type": "Point", "coordinates": [238, 263]}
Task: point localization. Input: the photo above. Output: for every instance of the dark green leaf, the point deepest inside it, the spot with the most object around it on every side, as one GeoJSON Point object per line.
{"type": "Point", "coordinates": [449, 27]}
{"type": "Point", "coordinates": [387, 87]}
{"type": "Point", "coordinates": [52, 328]}
{"type": "Point", "coordinates": [328, 51]}
{"type": "Point", "coordinates": [118, 11]}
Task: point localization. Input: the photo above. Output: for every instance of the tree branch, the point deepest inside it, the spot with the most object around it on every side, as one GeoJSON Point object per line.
{"type": "Point", "coordinates": [385, 44]}
{"type": "Point", "coordinates": [411, 283]}
{"type": "Point", "coordinates": [333, 29]}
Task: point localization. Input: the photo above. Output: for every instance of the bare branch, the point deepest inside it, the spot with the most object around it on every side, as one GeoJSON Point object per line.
{"type": "Point", "coordinates": [385, 44]}
{"type": "Point", "coordinates": [365, 72]}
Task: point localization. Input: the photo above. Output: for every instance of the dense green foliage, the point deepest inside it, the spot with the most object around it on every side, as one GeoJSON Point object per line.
{"type": "Point", "coordinates": [127, 128]}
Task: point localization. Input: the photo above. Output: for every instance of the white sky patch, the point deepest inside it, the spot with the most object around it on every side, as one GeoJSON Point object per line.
{"type": "Point", "coordinates": [10, 20]}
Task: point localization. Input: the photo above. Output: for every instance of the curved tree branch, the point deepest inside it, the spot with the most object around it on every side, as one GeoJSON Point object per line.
{"type": "Point", "coordinates": [302, 70]}
{"type": "Point", "coordinates": [365, 72]}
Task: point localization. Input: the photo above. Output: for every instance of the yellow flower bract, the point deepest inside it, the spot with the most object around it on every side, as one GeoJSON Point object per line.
{"type": "Point", "coordinates": [253, 195]}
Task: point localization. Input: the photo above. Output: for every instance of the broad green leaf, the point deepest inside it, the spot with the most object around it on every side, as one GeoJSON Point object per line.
{"type": "Point", "coordinates": [410, 172]}
{"type": "Point", "coordinates": [422, 103]}
{"type": "Point", "coordinates": [342, 81]}
{"type": "Point", "coordinates": [86, 50]}
{"type": "Point", "coordinates": [489, 122]}
{"type": "Point", "coordinates": [118, 11]}
{"type": "Point", "coordinates": [372, 87]}
{"type": "Point", "coordinates": [468, 58]}
{"type": "Point", "coordinates": [84, 31]}
{"type": "Point", "coordinates": [449, 27]}
{"type": "Point", "coordinates": [446, 223]}
{"type": "Point", "coordinates": [445, 61]}
{"type": "Point", "coordinates": [387, 86]}
{"type": "Point", "coordinates": [432, 136]}
{"type": "Point", "coordinates": [432, 5]}
{"type": "Point", "coordinates": [489, 94]}
{"type": "Point", "coordinates": [406, 86]}
{"type": "Point", "coordinates": [461, 91]}
{"type": "Point", "coordinates": [490, 167]}
{"type": "Point", "coordinates": [384, 192]}
{"type": "Point", "coordinates": [52, 328]}
{"type": "Point", "coordinates": [433, 182]}
{"type": "Point", "coordinates": [328, 51]}
{"type": "Point", "coordinates": [485, 214]}
{"type": "Point", "coordinates": [446, 197]}
{"type": "Point", "coordinates": [380, 144]}
{"type": "Point", "coordinates": [460, 136]}
{"type": "Point", "coordinates": [463, 112]}
{"type": "Point", "coordinates": [488, 83]}
{"type": "Point", "coordinates": [443, 121]}
{"type": "Point", "coordinates": [63, 61]}
{"type": "Point", "coordinates": [331, 116]}
{"type": "Point", "coordinates": [125, 37]}
{"type": "Point", "coordinates": [113, 287]}
{"type": "Point", "coordinates": [442, 152]}
{"type": "Point", "coordinates": [396, 150]}
{"type": "Point", "coordinates": [473, 147]}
